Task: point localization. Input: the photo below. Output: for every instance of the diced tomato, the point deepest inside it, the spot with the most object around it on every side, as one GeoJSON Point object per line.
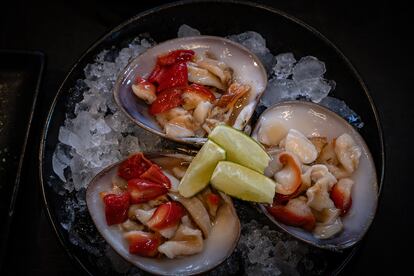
{"type": "Point", "coordinates": [213, 199]}
{"type": "Point", "coordinates": [175, 75]}
{"type": "Point", "coordinates": [166, 100]}
{"type": "Point", "coordinates": [175, 57]}
{"type": "Point", "coordinates": [116, 208]}
{"type": "Point", "coordinates": [134, 166]}
{"type": "Point", "coordinates": [155, 75]}
{"type": "Point", "coordinates": [200, 90]}
{"type": "Point", "coordinates": [166, 215]}
{"type": "Point", "coordinates": [155, 174]}
{"type": "Point", "coordinates": [141, 190]}
{"type": "Point", "coordinates": [143, 243]}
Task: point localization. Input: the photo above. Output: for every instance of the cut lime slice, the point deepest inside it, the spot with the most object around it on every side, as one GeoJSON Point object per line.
{"type": "Point", "coordinates": [201, 168]}
{"type": "Point", "coordinates": [240, 148]}
{"type": "Point", "coordinates": [241, 182]}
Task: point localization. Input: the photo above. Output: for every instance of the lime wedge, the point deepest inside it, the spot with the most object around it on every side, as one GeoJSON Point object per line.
{"type": "Point", "coordinates": [241, 182]}
{"type": "Point", "coordinates": [201, 168]}
{"type": "Point", "coordinates": [240, 148]}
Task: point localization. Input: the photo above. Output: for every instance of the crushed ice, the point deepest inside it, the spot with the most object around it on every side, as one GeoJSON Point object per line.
{"type": "Point", "coordinates": [96, 134]}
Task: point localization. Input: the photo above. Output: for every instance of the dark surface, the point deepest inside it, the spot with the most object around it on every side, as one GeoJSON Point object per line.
{"type": "Point", "coordinates": [373, 37]}
{"type": "Point", "coordinates": [20, 76]}
{"type": "Point", "coordinates": [288, 36]}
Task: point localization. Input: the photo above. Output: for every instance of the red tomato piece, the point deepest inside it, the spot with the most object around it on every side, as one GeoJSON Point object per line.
{"type": "Point", "coordinates": [155, 75]}
{"type": "Point", "coordinates": [116, 208]}
{"type": "Point", "coordinates": [200, 90]}
{"type": "Point", "coordinates": [166, 100]}
{"type": "Point", "coordinates": [143, 243]}
{"type": "Point", "coordinates": [141, 190]}
{"type": "Point", "coordinates": [175, 75]}
{"type": "Point", "coordinates": [134, 166]}
{"type": "Point", "coordinates": [166, 215]}
{"type": "Point", "coordinates": [213, 199]}
{"type": "Point", "coordinates": [175, 56]}
{"type": "Point", "coordinates": [155, 174]}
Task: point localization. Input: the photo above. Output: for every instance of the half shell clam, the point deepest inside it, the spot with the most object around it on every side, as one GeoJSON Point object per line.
{"type": "Point", "coordinates": [314, 121]}
{"type": "Point", "coordinates": [245, 66]}
{"type": "Point", "coordinates": [217, 246]}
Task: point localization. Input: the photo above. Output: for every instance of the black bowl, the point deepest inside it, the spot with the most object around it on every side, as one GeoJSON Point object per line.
{"type": "Point", "coordinates": [282, 33]}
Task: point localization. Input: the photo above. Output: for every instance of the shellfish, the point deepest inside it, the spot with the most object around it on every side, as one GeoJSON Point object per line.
{"type": "Point", "coordinates": [348, 152]}
{"type": "Point", "coordinates": [197, 254]}
{"type": "Point", "coordinates": [216, 64]}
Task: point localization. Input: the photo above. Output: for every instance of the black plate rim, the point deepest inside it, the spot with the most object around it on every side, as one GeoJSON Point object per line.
{"type": "Point", "coordinates": [275, 11]}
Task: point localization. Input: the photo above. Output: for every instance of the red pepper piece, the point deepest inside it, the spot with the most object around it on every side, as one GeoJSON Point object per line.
{"type": "Point", "coordinates": [141, 190]}
{"type": "Point", "coordinates": [116, 208]}
{"type": "Point", "coordinates": [200, 90]}
{"type": "Point", "coordinates": [134, 166]}
{"type": "Point", "coordinates": [155, 174]}
{"type": "Point", "coordinates": [166, 100]}
{"type": "Point", "coordinates": [175, 56]}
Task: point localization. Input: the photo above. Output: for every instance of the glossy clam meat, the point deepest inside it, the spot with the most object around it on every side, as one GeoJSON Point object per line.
{"type": "Point", "coordinates": [313, 120]}
{"type": "Point", "coordinates": [245, 66]}
{"type": "Point", "coordinates": [220, 243]}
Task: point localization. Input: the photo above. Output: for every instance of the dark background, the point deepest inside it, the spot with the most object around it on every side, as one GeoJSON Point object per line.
{"type": "Point", "coordinates": [374, 36]}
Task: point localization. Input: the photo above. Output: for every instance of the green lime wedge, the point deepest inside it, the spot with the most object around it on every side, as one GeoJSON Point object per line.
{"type": "Point", "coordinates": [240, 148]}
{"type": "Point", "coordinates": [243, 183]}
{"type": "Point", "coordinates": [201, 168]}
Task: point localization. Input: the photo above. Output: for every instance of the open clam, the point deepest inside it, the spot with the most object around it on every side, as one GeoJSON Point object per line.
{"type": "Point", "coordinates": [218, 63]}
{"type": "Point", "coordinates": [221, 234]}
{"type": "Point", "coordinates": [279, 126]}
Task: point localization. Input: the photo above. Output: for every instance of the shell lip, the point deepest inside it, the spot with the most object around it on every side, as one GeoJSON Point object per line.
{"type": "Point", "coordinates": [196, 141]}
{"type": "Point", "coordinates": [102, 232]}
{"type": "Point", "coordinates": [339, 247]}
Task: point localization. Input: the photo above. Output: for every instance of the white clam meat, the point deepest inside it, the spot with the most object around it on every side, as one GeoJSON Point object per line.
{"type": "Point", "coordinates": [348, 152]}
{"type": "Point", "coordinates": [298, 144]}
{"type": "Point", "coordinates": [197, 254]}
{"type": "Point", "coordinates": [349, 157]}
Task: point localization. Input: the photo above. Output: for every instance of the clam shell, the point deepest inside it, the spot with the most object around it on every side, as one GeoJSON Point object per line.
{"type": "Point", "coordinates": [217, 247]}
{"type": "Point", "coordinates": [246, 66]}
{"type": "Point", "coordinates": [314, 120]}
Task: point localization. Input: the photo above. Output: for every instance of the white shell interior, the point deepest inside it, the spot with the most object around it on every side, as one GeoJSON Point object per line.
{"type": "Point", "coordinates": [220, 244]}
{"type": "Point", "coordinates": [314, 120]}
{"type": "Point", "coordinates": [246, 66]}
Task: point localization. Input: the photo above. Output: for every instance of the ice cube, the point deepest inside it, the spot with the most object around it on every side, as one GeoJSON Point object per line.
{"type": "Point", "coordinates": [60, 161]}
{"type": "Point", "coordinates": [102, 127]}
{"type": "Point", "coordinates": [186, 30]}
{"type": "Point", "coordinates": [308, 68]}
{"type": "Point", "coordinates": [69, 138]}
{"type": "Point", "coordinates": [278, 90]}
{"type": "Point", "coordinates": [257, 44]}
{"type": "Point", "coordinates": [314, 89]}
{"type": "Point", "coordinates": [284, 65]}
